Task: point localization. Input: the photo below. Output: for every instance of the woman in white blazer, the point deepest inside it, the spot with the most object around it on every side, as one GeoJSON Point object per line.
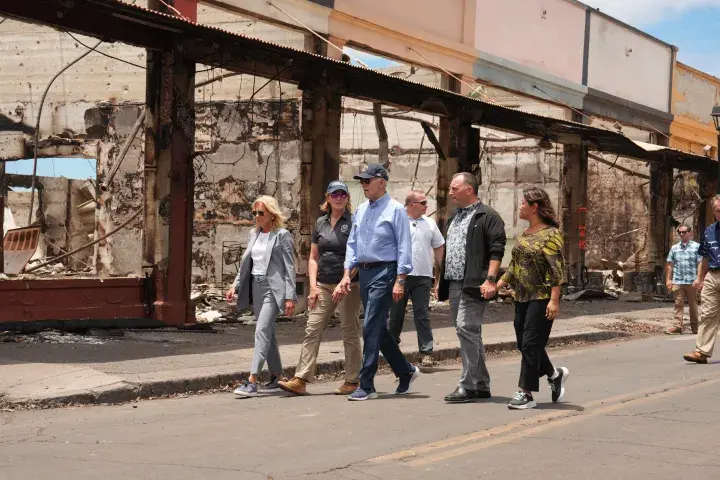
{"type": "Point", "coordinates": [266, 280]}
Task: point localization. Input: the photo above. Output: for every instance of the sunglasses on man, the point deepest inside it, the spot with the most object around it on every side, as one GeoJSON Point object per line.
{"type": "Point", "coordinates": [423, 203]}
{"type": "Point", "coordinates": [366, 181]}
{"type": "Point", "coordinates": [683, 232]}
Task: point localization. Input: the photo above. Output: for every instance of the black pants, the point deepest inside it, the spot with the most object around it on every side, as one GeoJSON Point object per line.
{"type": "Point", "coordinates": [532, 330]}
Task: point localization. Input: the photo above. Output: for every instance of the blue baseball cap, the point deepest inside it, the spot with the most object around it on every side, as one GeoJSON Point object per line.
{"type": "Point", "coordinates": [337, 185]}
{"type": "Point", "coordinates": [373, 170]}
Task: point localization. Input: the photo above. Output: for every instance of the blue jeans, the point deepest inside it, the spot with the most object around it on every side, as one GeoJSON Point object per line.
{"type": "Point", "coordinates": [376, 286]}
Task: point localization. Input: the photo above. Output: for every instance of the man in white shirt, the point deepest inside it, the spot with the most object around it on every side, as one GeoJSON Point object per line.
{"type": "Point", "coordinates": [427, 251]}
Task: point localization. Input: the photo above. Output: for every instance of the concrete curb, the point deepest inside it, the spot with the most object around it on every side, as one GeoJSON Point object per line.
{"type": "Point", "coordinates": [125, 392]}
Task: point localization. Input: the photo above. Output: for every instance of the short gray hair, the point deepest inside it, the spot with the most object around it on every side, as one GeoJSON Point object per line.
{"type": "Point", "coordinates": [469, 179]}
{"type": "Point", "coordinates": [412, 195]}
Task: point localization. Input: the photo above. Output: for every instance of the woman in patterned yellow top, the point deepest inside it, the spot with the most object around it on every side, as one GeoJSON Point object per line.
{"type": "Point", "coordinates": [536, 273]}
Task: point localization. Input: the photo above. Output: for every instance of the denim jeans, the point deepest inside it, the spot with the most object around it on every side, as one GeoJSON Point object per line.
{"type": "Point", "coordinates": [376, 286]}
{"type": "Point", "coordinates": [417, 289]}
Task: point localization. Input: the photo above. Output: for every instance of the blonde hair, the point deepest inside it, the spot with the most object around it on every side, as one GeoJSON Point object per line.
{"type": "Point", "coordinates": [273, 208]}
{"type": "Point", "coordinates": [326, 208]}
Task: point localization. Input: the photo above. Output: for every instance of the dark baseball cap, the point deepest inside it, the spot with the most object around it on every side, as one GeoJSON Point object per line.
{"type": "Point", "coordinates": [373, 170]}
{"type": "Point", "coordinates": [337, 185]}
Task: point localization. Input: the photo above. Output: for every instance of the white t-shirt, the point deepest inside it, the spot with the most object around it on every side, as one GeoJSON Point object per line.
{"type": "Point", "coordinates": [425, 237]}
{"type": "Point", "coordinates": [258, 254]}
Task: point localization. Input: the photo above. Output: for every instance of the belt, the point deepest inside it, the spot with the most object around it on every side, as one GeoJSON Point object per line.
{"type": "Point", "coordinates": [373, 265]}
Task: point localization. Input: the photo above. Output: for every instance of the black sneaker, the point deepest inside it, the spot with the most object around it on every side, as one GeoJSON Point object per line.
{"type": "Point", "coordinates": [522, 401]}
{"type": "Point", "coordinates": [405, 382]}
{"type": "Point", "coordinates": [558, 385]}
{"type": "Point", "coordinates": [272, 386]}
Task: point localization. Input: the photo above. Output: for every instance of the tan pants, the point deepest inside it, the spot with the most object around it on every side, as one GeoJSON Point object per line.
{"type": "Point", "coordinates": [318, 319]}
{"type": "Point", "coordinates": [709, 314]}
{"type": "Point", "coordinates": [680, 292]}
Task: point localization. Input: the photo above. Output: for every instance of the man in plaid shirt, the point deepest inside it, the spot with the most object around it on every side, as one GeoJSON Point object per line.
{"type": "Point", "coordinates": [681, 271]}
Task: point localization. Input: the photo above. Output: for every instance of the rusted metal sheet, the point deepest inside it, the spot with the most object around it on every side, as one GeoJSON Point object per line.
{"type": "Point", "coordinates": [19, 246]}
{"type": "Point", "coordinates": [74, 299]}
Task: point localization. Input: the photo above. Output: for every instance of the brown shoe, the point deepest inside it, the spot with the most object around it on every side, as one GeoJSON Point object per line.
{"type": "Point", "coordinates": [346, 388]}
{"type": "Point", "coordinates": [296, 386]}
{"type": "Point", "coordinates": [674, 330]}
{"type": "Point", "coordinates": [427, 361]}
{"type": "Point", "coordinates": [695, 357]}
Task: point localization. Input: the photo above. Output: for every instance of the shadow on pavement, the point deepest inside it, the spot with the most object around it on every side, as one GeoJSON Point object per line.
{"type": "Point", "coordinates": [150, 344]}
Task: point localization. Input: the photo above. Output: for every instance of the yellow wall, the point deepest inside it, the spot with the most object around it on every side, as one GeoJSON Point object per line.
{"type": "Point", "coordinates": [694, 95]}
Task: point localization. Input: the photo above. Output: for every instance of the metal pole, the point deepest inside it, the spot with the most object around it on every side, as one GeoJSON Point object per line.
{"type": "Point", "coordinates": [717, 182]}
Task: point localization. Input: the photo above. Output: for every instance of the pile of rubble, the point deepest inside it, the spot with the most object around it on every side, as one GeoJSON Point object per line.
{"type": "Point", "coordinates": [54, 270]}
{"type": "Point", "coordinates": [51, 336]}
{"type": "Point", "coordinates": [211, 307]}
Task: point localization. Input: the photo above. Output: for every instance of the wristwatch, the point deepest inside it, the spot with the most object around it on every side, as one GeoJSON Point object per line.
{"type": "Point", "coordinates": [401, 281]}
{"type": "Point", "coordinates": [492, 278]}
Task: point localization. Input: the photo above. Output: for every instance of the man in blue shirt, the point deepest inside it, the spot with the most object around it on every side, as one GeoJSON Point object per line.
{"type": "Point", "coordinates": [380, 246]}
{"type": "Point", "coordinates": [681, 272]}
{"type": "Point", "coordinates": [708, 282]}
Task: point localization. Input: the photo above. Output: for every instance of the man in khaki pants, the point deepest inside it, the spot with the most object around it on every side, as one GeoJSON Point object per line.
{"type": "Point", "coordinates": [681, 272]}
{"type": "Point", "coordinates": [708, 282]}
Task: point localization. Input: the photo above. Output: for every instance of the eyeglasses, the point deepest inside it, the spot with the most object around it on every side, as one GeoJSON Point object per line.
{"type": "Point", "coordinates": [339, 194]}
{"type": "Point", "coordinates": [683, 232]}
{"type": "Point", "coordinates": [258, 213]}
{"type": "Point", "coordinates": [366, 181]}
{"type": "Point", "coordinates": [423, 203]}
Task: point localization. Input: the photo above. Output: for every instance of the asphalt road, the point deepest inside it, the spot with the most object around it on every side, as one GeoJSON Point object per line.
{"type": "Point", "coordinates": [632, 410]}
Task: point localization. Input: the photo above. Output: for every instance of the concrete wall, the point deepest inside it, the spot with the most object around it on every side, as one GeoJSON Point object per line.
{"type": "Point", "coordinates": [121, 254]}
{"type": "Point", "coordinates": [100, 98]}
{"type": "Point", "coordinates": [617, 204]}
{"type": "Point", "coordinates": [510, 163]}
{"type": "Point", "coordinates": [260, 155]}
{"type": "Point", "coordinates": [547, 35]}
{"type": "Point", "coordinates": [30, 55]}
{"type": "Point", "coordinates": [445, 19]}
{"type": "Point", "coordinates": [629, 65]}
{"type": "Point", "coordinates": [413, 161]}
{"type": "Point", "coordinates": [63, 227]}
{"type": "Point", "coordinates": [311, 14]}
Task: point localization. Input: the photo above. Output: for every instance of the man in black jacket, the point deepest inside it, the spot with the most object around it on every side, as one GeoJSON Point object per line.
{"type": "Point", "coordinates": [475, 245]}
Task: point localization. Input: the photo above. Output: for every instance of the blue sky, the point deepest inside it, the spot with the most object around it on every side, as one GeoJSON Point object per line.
{"type": "Point", "coordinates": [370, 60]}
{"type": "Point", "coordinates": [691, 25]}
{"type": "Point", "coordinates": [79, 168]}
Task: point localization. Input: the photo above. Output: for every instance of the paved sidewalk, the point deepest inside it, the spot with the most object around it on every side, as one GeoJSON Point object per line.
{"type": "Point", "coordinates": [146, 364]}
